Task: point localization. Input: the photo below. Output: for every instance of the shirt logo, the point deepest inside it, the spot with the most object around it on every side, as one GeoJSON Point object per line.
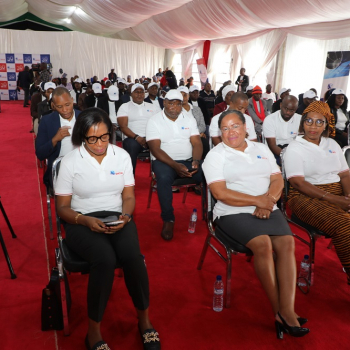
{"type": "Point", "coordinates": [149, 110]}
{"type": "Point", "coordinates": [114, 173]}
{"type": "Point", "coordinates": [292, 133]}
{"type": "Point", "coordinates": [183, 128]}
{"type": "Point", "coordinates": [330, 151]}
{"type": "Point", "coordinates": [260, 157]}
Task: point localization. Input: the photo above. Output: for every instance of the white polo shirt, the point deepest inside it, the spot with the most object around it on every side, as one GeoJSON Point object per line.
{"type": "Point", "coordinates": [94, 186]}
{"type": "Point", "coordinates": [112, 113]}
{"type": "Point", "coordinates": [66, 143]}
{"type": "Point", "coordinates": [174, 136]}
{"type": "Point", "coordinates": [274, 126]}
{"type": "Point", "coordinates": [138, 115]}
{"type": "Point", "coordinates": [246, 172]}
{"type": "Point", "coordinates": [214, 130]}
{"type": "Point", "coordinates": [270, 96]}
{"type": "Point", "coordinates": [319, 165]}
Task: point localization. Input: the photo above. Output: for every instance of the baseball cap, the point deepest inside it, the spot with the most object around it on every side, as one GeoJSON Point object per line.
{"type": "Point", "coordinates": [338, 92]}
{"type": "Point", "coordinates": [309, 94]}
{"type": "Point", "coordinates": [137, 86]}
{"type": "Point", "coordinates": [113, 93]}
{"type": "Point", "coordinates": [78, 80]}
{"type": "Point", "coordinates": [173, 95]}
{"type": "Point", "coordinates": [183, 89]}
{"type": "Point", "coordinates": [250, 87]}
{"type": "Point", "coordinates": [194, 88]}
{"type": "Point", "coordinates": [49, 85]}
{"type": "Point", "coordinates": [145, 81]}
{"type": "Point", "coordinates": [97, 88]}
{"type": "Point", "coordinates": [227, 89]}
{"type": "Point", "coordinates": [166, 88]}
{"type": "Point", "coordinates": [283, 90]}
{"type": "Point", "coordinates": [152, 84]}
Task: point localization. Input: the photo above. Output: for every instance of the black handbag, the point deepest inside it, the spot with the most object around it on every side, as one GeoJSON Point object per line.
{"type": "Point", "coordinates": [51, 304]}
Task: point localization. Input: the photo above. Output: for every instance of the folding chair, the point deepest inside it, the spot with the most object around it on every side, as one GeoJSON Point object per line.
{"type": "Point", "coordinates": [230, 246]}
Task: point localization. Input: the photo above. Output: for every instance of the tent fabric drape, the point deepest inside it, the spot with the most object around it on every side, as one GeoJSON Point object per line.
{"type": "Point", "coordinates": [85, 54]}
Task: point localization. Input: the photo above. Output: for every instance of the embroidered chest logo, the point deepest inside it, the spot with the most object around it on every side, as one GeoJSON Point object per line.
{"type": "Point", "coordinates": [330, 151]}
{"type": "Point", "coordinates": [184, 128]}
{"type": "Point", "coordinates": [260, 157]}
{"type": "Point", "coordinates": [118, 173]}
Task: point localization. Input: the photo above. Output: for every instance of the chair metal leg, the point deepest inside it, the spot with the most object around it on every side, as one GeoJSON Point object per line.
{"type": "Point", "coordinates": [204, 252]}
{"type": "Point", "coordinates": [150, 193]}
{"type": "Point", "coordinates": [185, 195]}
{"type": "Point", "coordinates": [228, 278]}
{"type": "Point", "coordinates": [62, 277]}
{"type": "Point", "coordinates": [7, 220]}
{"type": "Point", "coordinates": [7, 257]}
{"type": "Point", "coordinates": [49, 214]}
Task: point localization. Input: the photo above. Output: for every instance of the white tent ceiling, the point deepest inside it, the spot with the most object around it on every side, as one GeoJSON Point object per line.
{"type": "Point", "coordinates": [178, 23]}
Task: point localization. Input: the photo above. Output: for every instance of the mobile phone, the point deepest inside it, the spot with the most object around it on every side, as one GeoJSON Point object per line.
{"type": "Point", "coordinates": [114, 223]}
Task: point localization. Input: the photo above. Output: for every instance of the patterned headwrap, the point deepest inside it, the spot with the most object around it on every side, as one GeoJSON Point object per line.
{"type": "Point", "coordinates": [322, 108]}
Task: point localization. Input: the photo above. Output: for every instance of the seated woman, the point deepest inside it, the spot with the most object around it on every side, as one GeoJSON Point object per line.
{"type": "Point", "coordinates": [320, 180]}
{"type": "Point", "coordinates": [195, 112]}
{"type": "Point", "coordinates": [244, 178]}
{"type": "Point", "coordinates": [338, 105]}
{"type": "Point", "coordinates": [96, 181]}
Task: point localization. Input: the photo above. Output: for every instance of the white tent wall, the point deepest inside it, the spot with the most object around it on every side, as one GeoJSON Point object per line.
{"type": "Point", "coordinates": [84, 54]}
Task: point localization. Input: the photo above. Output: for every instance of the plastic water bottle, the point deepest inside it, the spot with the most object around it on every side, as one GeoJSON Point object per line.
{"type": "Point", "coordinates": [304, 271]}
{"type": "Point", "coordinates": [218, 299]}
{"type": "Point", "coordinates": [193, 220]}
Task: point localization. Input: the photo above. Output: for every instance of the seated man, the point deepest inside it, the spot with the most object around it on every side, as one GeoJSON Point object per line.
{"type": "Point", "coordinates": [208, 95]}
{"type": "Point", "coordinates": [44, 106]}
{"type": "Point", "coordinates": [176, 148]}
{"type": "Point", "coordinates": [35, 100]}
{"type": "Point", "coordinates": [92, 99]}
{"type": "Point", "coordinates": [283, 93]}
{"type": "Point", "coordinates": [308, 97]}
{"type": "Point", "coordinates": [110, 103]}
{"type": "Point", "coordinates": [55, 129]}
{"type": "Point", "coordinates": [281, 128]}
{"type": "Point", "coordinates": [239, 102]}
{"type": "Point", "coordinates": [153, 98]}
{"type": "Point", "coordinates": [227, 92]}
{"type": "Point", "coordinates": [132, 118]}
{"type": "Point", "coordinates": [197, 101]}
{"type": "Point", "coordinates": [257, 108]}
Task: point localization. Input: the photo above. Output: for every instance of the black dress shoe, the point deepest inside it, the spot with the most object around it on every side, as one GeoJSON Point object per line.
{"type": "Point", "coordinates": [168, 230]}
{"type": "Point", "coordinates": [150, 339]}
{"type": "Point", "coordinates": [285, 328]}
{"type": "Point", "coordinates": [100, 345]}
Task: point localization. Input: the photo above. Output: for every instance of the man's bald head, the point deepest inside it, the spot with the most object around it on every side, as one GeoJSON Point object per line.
{"type": "Point", "coordinates": [238, 96]}
{"type": "Point", "coordinates": [289, 105]}
{"type": "Point", "coordinates": [289, 99]}
{"type": "Point", "coordinates": [239, 102]}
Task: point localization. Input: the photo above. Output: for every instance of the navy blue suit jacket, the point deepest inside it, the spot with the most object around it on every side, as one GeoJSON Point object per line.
{"type": "Point", "coordinates": [48, 127]}
{"type": "Point", "coordinates": [160, 100]}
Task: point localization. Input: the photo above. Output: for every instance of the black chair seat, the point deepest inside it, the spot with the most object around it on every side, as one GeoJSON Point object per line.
{"type": "Point", "coordinates": [182, 181]}
{"type": "Point", "coordinates": [230, 242]}
{"type": "Point", "coordinates": [308, 227]}
{"type": "Point", "coordinates": [71, 261]}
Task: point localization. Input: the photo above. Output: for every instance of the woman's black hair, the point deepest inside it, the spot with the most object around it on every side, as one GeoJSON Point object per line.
{"type": "Point", "coordinates": [231, 111]}
{"type": "Point", "coordinates": [331, 103]}
{"type": "Point", "coordinates": [85, 120]}
{"type": "Point", "coordinates": [301, 126]}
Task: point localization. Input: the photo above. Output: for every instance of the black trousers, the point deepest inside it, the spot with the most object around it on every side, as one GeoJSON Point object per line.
{"type": "Point", "coordinates": [103, 251]}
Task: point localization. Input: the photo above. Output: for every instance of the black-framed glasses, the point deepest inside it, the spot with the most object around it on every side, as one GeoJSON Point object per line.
{"type": "Point", "coordinates": [93, 139]}
{"type": "Point", "coordinates": [318, 122]}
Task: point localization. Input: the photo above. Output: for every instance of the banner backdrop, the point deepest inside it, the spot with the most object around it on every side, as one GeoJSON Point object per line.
{"type": "Point", "coordinates": [10, 65]}
{"type": "Point", "coordinates": [336, 74]}
{"type": "Point", "coordinates": [202, 71]}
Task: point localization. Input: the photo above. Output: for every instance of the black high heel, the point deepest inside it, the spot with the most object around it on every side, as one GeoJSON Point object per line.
{"type": "Point", "coordinates": [302, 321]}
{"type": "Point", "coordinates": [285, 328]}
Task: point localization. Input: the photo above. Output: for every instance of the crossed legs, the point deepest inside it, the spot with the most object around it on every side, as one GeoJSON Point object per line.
{"type": "Point", "coordinates": [278, 280]}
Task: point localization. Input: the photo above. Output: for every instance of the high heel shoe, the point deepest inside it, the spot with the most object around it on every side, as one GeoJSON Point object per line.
{"type": "Point", "coordinates": [302, 321]}
{"type": "Point", "coordinates": [285, 328]}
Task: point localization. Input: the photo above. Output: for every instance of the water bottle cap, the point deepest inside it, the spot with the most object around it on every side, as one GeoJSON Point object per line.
{"type": "Point", "coordinates": [306, 257]}
{"type": "Point", "coordinates": [218, 278]}
{"type": "Point", "coordinates": [195, 210]}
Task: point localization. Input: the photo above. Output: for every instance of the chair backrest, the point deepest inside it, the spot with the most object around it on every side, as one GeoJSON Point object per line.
{"type": "Point", "coordinates": [55, 169]}
{"type": "Point", "coordinates": [284, 196]}
{"type": "Point", "coordinates": [346, 152]}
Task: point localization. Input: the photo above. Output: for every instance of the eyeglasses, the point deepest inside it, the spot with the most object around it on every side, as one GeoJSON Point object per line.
{"type": "Point", "coordinates": [318, 122]}
{"type": "Point", "coordinates": [93, 139]}
{"type": "Point", "coordinates": [232, 127]}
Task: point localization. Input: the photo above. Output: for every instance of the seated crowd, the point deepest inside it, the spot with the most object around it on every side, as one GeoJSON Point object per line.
{"type": "Point", "coordinates": [239, 136]}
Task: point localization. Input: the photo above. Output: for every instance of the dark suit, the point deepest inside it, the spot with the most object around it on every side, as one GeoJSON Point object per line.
{"type": "Point", "coordinates": [245, 82]}
{"type": "Point", "coordinates": [24, 80]}
{"type": "Point", "coordinates": [48, 127]}
{"type": "Point", "coordinates": [90, 100]}
{"type": "Point", "coordinates": [160, 101]}
{"type": "Point", "coordinates": [103, 104]}
{"type": "Point", "coordinates": [203, 106]}
{"type": "Point", "coordinates": [276, 106]}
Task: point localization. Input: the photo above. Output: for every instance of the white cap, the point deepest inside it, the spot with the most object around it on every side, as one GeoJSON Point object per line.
{"type": "Point", "coordinates": [78, 80]}
{"type": "Point", "coordinates": [338, 92]}
{"type": "Point", "coordinates": [183, 89]}
{"type": "Point", "coordinates": [173, 95]}
{"type": "Point", "coordinates": [137, 86]}
{"type": "Point", "coordinates": [194, 88]}
{"type": "Point", "coordinates": [113, 93]}
{"type": "Point", "coordinates": [152, 84]}
{"type": "Point", "coordinates": [309, 94]}
{"type": "Point", "coordinates": [49, 85]}
{"type": "Point", "coordinates": [121, 80]}
{"type": "Point", "coordinates": [227, 89]}
{"type": "Point", "coordinates": [283, 90]}
{"type": "Point", "coordinates": [97, 88]}
{"type": "Point", "coordinates": [250, 87]}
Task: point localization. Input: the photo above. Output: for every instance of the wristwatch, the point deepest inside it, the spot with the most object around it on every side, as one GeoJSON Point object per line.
{"type": "Point", "coordinates": [125, 214]}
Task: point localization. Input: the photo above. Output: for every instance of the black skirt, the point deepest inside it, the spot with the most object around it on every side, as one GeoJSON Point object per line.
{"type": "Point", "coordinates": [244, 227]}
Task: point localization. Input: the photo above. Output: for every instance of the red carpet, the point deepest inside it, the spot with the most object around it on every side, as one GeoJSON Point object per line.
{"type": "Point", "coordinates": [181, 296]}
